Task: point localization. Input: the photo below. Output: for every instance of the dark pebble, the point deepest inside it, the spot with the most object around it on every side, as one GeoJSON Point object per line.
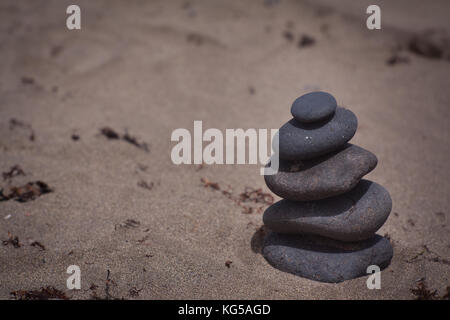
{"type": "Point", "coordinates": [353, 216]}
{"type": "Point", "coordinates": [323, 177]}
{"type": "Point", "coordinates": [300, 141]}
{"type": "Point", "coordinates": [323, 259]}
{"type": "Point", "coordinates": [313, 106]}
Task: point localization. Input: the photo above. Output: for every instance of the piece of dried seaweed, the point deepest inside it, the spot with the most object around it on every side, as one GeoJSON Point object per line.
{"type": "Point", "coordinates": [111, 134]}
{"type": "Point", "coordinates": [28, 192]}
{"type": "Point", "coordinates": [14, 171]}
{"type": "Point", "coordinates": [250, 195]}
{"type": "Point", "coordinates": [45, 293]}
{"type": "Point", "coordinates": [38, 244]}
{"type": "Point", "coordinates": [12, 240]}
{"type": "Point", "coordinates": [306, 41]}
{"type": "Point", "coordinates": [422, 292]}
{"type": "Point", "coordinates": [14, 123]}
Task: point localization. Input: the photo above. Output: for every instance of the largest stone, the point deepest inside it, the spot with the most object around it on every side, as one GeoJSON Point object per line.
{"type": "Point", "coordinates": [353, 216]}
{"type": "Point", "coordinates": [299, 141]}
{"type": "Point", "coordinates": [323, 259]}
{"type": "Point", "coordinates": [322, 177]}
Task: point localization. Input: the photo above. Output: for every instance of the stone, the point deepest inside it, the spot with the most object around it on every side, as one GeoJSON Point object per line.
{"type": "Point", "coordinates": [352, 216]}
{"type": "Point", "coordinates": [313, 106]}
{"type": "Point", "coordinates": [322, 177]}
{"type": "Point", "coordinates": [323, 259]}
{"type": "Point", "coordinates": [300, 141]}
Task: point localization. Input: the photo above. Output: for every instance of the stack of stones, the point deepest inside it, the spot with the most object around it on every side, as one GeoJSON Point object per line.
{"type": "Point", "coordinates": [324, 228]}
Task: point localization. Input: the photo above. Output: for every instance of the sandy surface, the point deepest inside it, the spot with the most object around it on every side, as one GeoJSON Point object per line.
{"type": "Point", "coordinates": [133, 67]}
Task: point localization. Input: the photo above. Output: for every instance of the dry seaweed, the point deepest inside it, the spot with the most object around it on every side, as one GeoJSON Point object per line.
{"type": "Point", "coordinates": [134, 292]}
{"type": "Point", "coordinates": [256, 195]}
{"type": "Point", "coordinates": [38, 244]}
{"type": "Point", "coordinates": [109, 133]}
{"type": "Point", "coordinates": [15, 170]}
{"type": "Point", "coordinates": [142, 240]}
{"type": "Point", "coordinates": [306, 41]}
{"type": "Point", "coordinates": [129, 223]}
{"type": "Point", "coordinates": [423, 293]}
{"type": "Point", "coordinates": [133, 140]}
{"type": "Point", "coordinates": [12, 240]}
{"type": "Point", "coordinates": [209, 184]}
{"type": "Point", "coordinates": [145, 185]}
{"type": "Point", "coordinates": [46, 293]}
{"type": "Point", "coordinates": [28, 192]}
{"type": "Point", "coordinates": [14, 123]}
{"type": "Point", "coordinates": [250, 195]}
{"type": "Point", "coordinates": [108, 283]}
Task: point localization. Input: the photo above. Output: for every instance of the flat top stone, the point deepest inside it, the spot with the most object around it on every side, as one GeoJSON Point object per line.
{"type": "Point", "coordinates": [313, 106]}
{"type": "Point", "coordinates": [352, 216]}
{"type": "Point", "coordinates": [299, 141]}
{"type": "Point", "coordinates": [322, 177]}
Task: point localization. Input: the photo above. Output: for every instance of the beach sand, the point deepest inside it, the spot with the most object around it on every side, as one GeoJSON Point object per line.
{"type": "Point", "coordinates": [148, 68]}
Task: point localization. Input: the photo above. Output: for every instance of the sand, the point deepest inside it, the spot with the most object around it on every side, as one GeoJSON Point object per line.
{"type": "Point", "coordinates": [151, 67]}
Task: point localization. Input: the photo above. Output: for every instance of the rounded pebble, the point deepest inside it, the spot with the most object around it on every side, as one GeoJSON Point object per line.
{"type": "Point", "coordinates": [323, 177]}
{"type": "Point", "coordinates": [313, 106]}
{"type": "Point", "coordinates": [300, 141]}
{"type": "Point", "coordinates": [352, 216]}
{"type": "Point", "coordinates": [323, 259]}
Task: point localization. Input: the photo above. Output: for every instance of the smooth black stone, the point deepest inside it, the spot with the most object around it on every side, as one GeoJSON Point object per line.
{"type": "Point", "coordinates": [323, 259]}
{"type": "Point", "coordinates": [352, 216]}
{"type": "Point", "coordinates": [300, 141]}
{"type": "Point", "coordinates": [322, 177]}
{"type": "Point", "coordinates": [313, 106]}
